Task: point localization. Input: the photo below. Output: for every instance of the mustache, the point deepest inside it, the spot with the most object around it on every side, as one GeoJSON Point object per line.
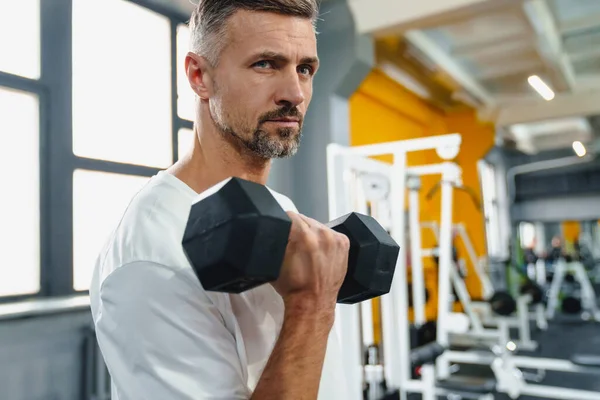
{"type": "Point", "coordinates": [282, 113]}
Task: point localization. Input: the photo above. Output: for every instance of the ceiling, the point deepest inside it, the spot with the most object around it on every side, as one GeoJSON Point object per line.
{"type": "Point", "coordinates": [558, 40]}
{"type": "Point", "coordinates": [484, 60]}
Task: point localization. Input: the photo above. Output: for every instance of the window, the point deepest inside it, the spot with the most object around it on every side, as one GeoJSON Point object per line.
{"type": "Point", "coordinates": [185, 95]}
{"type": "Point", "coordinates": [19, 202]}
{"type": "Point", "coordinates": [20, 38]}
{"type": "Point", "coordinates": [119, 121]}
{"type": "Point", "coordinates": [185, 139]}
{"type": "Point", "coordinates": [99, 200]}
{"type": "Point", "coordinates": [122, 108]}
{"type": "Point", "coordinates": [527, 235]}
{"type": "Point", "coordinates": [490, 209]}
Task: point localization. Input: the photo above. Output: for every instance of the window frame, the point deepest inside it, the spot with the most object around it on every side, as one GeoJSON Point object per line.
{"type": "Point", "coordinates": [57, 161]}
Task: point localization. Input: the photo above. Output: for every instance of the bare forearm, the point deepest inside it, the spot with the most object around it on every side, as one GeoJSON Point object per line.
{"type": "Point", "coordinates": [295, 365]}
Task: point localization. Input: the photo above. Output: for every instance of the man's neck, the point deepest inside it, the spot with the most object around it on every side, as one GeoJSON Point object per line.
{"type": "Point", "coordinates": [214, 159]}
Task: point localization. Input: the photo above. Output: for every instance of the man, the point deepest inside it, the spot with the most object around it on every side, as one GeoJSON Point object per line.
{"type": "Point", "coordinates": [556, 250]}
{"type": "Point", "coordinates": [162, 336]}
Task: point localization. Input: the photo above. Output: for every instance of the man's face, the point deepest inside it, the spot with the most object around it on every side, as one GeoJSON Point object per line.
{"type": "Point", "coordinates": [263, 82]}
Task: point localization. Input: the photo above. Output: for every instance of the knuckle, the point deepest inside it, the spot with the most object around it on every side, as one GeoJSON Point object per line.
{"type": "Point", "coordinates": [325, 233]}
{"type": "Point", "coordinates": [311, 241]}
{"type": "Point", "coordinates": [343, 241]}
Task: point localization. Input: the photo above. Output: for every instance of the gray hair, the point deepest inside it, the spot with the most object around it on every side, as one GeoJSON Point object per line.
{"type": "Point", "coordinates": [209, 20]}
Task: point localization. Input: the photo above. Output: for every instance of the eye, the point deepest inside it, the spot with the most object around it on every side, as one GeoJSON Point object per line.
{"type": "Point", "coordinates": [306, 70]}
{"type": "Point", "coordinates": [262, 64]}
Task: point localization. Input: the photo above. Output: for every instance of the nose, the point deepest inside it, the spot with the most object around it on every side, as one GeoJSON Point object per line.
{"type": "Point", "coordinates": [290, 92]}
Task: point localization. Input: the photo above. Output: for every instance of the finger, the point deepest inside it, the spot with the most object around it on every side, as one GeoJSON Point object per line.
{"type": "Point", "coordinates": [298, 224]}
{"type": "Point", "coordinates": [313, 223]}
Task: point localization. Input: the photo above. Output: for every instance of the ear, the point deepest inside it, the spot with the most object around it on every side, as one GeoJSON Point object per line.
{"type": "Point", "coordinates": [199, 75]}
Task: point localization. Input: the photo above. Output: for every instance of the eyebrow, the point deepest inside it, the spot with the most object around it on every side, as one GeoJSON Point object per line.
{"type": "Point", "coordinates": [280, 57]}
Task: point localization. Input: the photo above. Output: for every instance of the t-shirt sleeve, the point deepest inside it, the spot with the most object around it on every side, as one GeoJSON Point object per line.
{"type": "Point", "coordinates": [163, 338]}
{"type": "Point", "coordinates": [285, 202]}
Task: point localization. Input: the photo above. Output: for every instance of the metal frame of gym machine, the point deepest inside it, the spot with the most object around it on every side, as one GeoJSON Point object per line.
{"type": "Point", "coordinates": [480, 312]}
{"type": "Point", "coordinates": [395, 329]}
{"type": "Point", "coordinates": [588, 295]}
{"type": "Point", "coordinates": [505, 365]}
{"type": "Point", "coordinates": [394, 306]}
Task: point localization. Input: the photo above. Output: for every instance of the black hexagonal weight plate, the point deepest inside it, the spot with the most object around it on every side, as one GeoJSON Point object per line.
{"type": "Point", "coordinates": [235, 239]}
{"type": "Point", "coordinates": [372, 259]}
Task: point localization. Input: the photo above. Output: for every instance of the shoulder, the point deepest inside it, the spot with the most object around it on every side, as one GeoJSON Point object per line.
{"type": "Point", "coordinates": [285, 202]}
{"type": "Point", "coordinates": [150, 229]}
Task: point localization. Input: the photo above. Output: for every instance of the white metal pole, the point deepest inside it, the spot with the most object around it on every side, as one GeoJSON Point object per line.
{"type": "Point", "coordinates": [486, 283]}
{"type": "Point", "coordinates": [540, 317]}
{"type": "Point", "coordinates": [395, 304]}
{"type": "Point", "coordinates": [557, 280]}
{"type": "Point", "coordinates": [465, 299]}
{"type": "Point", "coordinates": [588, 296]}
{"type": "Point", "coordinates": [523, 316]}
{"type": "Point", "coordinates": [405, 146]}
{"type": "Point", "coordinates": [366, 311]}
{"type": "Point", "coordinates": [445, 260]}
{"type": "Point", "coordinates": [418, 284]}
{"type": "Point", "coordinates": [428, 378]}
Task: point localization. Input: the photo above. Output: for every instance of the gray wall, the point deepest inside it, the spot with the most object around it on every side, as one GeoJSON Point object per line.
{"type": "Point", "coordinates": [569, 192]}
{"type": "Point", "coordinates": [552, 209]}
{"type": "Point", "coordinates": [346, 59]}
{"type": "Point", "coordinates": [42, 358]}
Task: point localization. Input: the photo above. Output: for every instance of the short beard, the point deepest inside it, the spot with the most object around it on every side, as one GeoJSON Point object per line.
{"type": "Point", "coordinates": [263, 145]}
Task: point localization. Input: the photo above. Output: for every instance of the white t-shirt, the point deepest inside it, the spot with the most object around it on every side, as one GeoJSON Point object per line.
{"type": "Point", "coordinates": [161, 334]}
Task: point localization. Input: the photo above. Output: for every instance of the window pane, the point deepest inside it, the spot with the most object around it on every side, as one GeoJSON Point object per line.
{"type": "Point", "coordinates": [20, 37]}
{"type": "Point", "coordinates": [20, 208]}
{"type": "Point", "coordinates": [121, 83]}
{"type": "Point", "coordinates": [185, 139]}
{"type": "Point", "coordinates": [99, 200]}
{"type": "Point", "coordinates": [185, 94]}
{"type": "Point", "coordinates": [527, 234]}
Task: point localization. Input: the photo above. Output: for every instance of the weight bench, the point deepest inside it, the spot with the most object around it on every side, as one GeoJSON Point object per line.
{"type": "Point", "coordinates": [586, 360]}
{"type": "Point", "coordinates": [468, 386]}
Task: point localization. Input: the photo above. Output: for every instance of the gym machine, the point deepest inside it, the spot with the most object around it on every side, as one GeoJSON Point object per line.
{"type": "Point", "coordinates": [586, 303]}
{"type": "Point", "coordinates": [507, 367]}
{"type": "Point", "coordinates": [481, 313]}
{"type": "Point", "coordinates": [348, 169]}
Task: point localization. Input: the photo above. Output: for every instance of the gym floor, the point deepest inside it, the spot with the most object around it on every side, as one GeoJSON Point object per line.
{"type": "Point", "coordinates": [565, 336]}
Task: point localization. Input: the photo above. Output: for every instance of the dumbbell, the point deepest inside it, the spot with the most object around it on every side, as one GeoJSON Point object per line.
{"type": "Point", "coordinates": [236, 236]}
